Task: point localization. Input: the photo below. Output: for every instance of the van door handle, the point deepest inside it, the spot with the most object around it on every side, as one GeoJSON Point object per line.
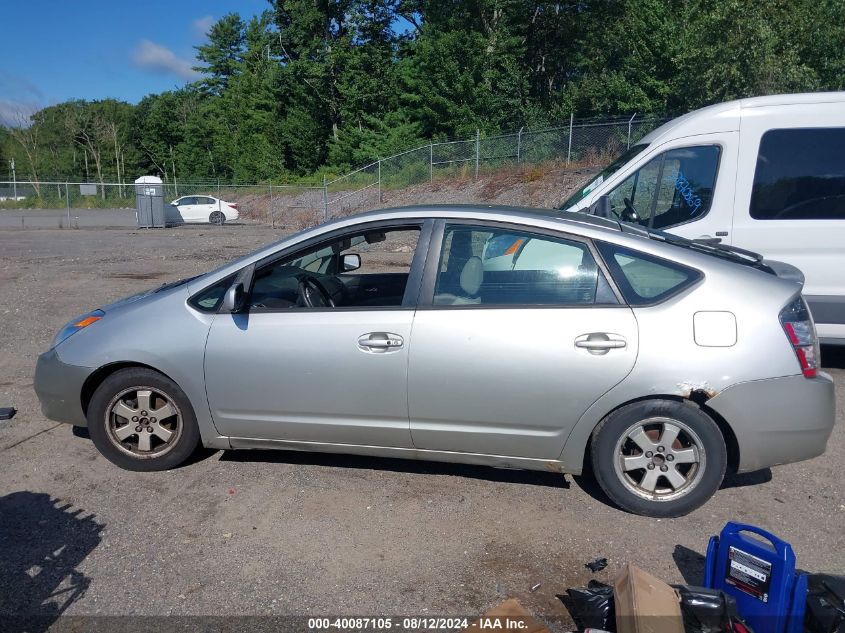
{"type": "Point", "coordinates": [598, 343]}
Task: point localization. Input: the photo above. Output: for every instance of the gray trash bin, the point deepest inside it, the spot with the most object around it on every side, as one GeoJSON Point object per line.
{"type": "Point", "coordinates": [149, 202]}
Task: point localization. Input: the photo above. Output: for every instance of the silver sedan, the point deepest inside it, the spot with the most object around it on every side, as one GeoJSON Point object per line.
{"type": "Point", "coordinates": [493, 336]}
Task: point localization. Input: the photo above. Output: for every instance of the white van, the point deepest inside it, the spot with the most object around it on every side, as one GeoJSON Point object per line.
{"type": "Point", "coordinates": [765, 174]}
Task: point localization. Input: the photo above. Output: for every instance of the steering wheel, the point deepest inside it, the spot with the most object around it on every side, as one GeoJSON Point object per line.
{"type": "Point", "coordinates": [313, 294]}
{"type": "Point", "coordinates": [629, 214]}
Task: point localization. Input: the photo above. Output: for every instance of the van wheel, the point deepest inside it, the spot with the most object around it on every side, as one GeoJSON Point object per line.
{"type": "Point", "coordinates": [217, 218]}
{"type": "Point", "coordinates": [142, 421]}
{"type": "Point", "coordinates": [659, 458]}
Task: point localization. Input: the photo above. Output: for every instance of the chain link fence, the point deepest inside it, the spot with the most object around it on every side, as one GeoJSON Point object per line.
{"type": "Point", "coordinates": [586, 143]}
{"type": "Point", "coordinates": [578, 145]}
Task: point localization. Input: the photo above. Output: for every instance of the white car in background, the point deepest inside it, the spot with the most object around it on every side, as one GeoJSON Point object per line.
{"type": "Point", "coordinates": [202, 209]}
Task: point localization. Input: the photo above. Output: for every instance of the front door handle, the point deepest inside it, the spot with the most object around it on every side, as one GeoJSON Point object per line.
{"type": "Point", "coordinates": [598, 343]}
{"type": "Point", "coordinates": [380, 342]}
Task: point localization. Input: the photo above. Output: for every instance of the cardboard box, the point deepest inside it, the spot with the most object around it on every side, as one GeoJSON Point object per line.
{"type": "Point", "coordinates": [507, 616]}
{"type": "Point", "coordinates": [645, 604]}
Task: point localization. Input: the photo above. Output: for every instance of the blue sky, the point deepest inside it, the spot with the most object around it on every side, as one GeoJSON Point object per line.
{"type": "Point", "coordinates": [56, 50]}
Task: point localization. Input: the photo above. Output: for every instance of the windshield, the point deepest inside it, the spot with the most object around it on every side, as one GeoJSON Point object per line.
{"type": "Point", "coordinates": [606, 173]}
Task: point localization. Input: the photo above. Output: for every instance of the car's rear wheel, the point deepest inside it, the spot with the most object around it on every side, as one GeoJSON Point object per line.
{"type": "Point", "coordinates": [659, 458]}
{"type": "Point", "coordinates": [141, 420]}
{"type": "Point", "coordinates": [217, 218]}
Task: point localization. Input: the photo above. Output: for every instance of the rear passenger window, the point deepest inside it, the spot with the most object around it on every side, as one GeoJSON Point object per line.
{"type": "Point", "coordinates": [644, 279]}
{"type": "Point", "coordinates": [800, 175]}
{"type": "Point", "coordinates": [496, 267]}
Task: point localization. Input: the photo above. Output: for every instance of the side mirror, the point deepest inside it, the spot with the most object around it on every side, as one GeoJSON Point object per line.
{"type": "Point", "coordinates": [601, 208]}
{"type": "Point", "coordinates": [235, 298]}
{"type": "Point", "coordinates": [350, 262]}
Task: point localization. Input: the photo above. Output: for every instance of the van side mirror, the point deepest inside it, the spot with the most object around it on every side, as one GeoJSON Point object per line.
{"type": "Point", "coordinates": [350, 262]}
{"type": "Point", "coordinates": [601, 208]}
{"type": "Point", "coordinates": [235, 298]}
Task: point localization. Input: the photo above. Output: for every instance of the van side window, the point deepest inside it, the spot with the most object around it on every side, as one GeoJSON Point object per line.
{"type": "Point", "coordinates": [672, 188]}
{"type": "Point", "coordinates": [800, 175]}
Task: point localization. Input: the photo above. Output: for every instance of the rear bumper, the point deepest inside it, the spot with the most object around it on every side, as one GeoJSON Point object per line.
{"type": "Point", "coordinates": [59, 388]}
{"type": "Point", "coordinates": [778, 420]}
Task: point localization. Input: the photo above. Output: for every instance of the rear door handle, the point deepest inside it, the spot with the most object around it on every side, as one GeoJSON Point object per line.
{"type": "Point", "coordinates": [380, 342]}
{"type": "Point", "coordinates": [598, 343]}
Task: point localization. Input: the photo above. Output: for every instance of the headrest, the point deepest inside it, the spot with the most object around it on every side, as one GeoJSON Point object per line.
{"type": "Point", "coordinates": [471, 276]}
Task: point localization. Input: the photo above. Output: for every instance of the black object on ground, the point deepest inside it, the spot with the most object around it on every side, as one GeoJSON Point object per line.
{"type": "Point", "coordinates": [7, 413]}
{"type": "Point", "coordinates": [825, 604]}
{"type": "Point", "coordinates": [706, 610]}
{"type": "Point", "coordinates": [597, 565]}
{"type": "Point", "coordinates": [591, 607]}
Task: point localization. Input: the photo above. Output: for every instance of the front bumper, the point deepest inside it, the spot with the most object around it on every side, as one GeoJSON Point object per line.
{"type": "Point", "coordinates": [59, 388]}
{"type": "Point", "coordinates": [778, 420]}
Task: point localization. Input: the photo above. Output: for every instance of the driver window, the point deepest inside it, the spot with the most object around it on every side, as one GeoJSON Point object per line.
{"type": "Point", "coordinates": [672, 188]}
{"type": "Point", "coordinates": [366, 269]}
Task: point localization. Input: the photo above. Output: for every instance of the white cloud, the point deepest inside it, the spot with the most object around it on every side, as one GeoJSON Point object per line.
{"type": "Point", "coordinates": [159, 58]}
{"type": "Point", "coordinates": [203, 25]}
{"type": "Point", "coordinates": [17, 113]}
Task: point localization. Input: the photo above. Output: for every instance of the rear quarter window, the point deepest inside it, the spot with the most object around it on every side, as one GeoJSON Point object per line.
{"type": "Point", "coordinates": [644, 279]}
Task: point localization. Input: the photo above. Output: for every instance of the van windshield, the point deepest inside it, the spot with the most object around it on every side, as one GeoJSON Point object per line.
{"type": "Point", "coordinates": [606, 173]}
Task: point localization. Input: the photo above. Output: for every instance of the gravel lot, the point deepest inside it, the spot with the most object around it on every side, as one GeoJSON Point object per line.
{"type": "Point", "coordinates": [275, 533]}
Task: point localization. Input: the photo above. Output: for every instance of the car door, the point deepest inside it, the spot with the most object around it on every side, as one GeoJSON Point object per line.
{"type": "Point", "coordinates": [679, 188]}
{"type": "Point", "coordinates": [516, 335]}
{"type": "Point", "coordinates": [337, 375]}
{"type": "Point", "coordinates": [187, 207]}
{"type": "Point", "coordinates": [205, 207]}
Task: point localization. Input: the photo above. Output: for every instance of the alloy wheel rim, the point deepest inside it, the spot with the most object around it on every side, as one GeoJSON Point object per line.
{"type": "Point", "coordinates": [660, 459]}
{"type": "Point", "coordinates": [143, 422]}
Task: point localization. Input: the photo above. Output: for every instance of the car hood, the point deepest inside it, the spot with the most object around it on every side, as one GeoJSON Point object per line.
{"type": "Point", "coordinates": [145, 294]}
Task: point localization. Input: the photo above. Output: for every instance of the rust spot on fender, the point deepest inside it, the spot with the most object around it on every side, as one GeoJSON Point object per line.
{"type": "Point", "coordinates": [697, 391]}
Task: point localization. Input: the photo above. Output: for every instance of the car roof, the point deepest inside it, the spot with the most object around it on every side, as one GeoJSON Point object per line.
{"type": "Point", "coordinates": [488, 212]}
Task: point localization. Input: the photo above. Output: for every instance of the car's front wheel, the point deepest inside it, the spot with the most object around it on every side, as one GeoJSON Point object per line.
{"type": "Point", "coordinates": [217, 218]}
{"type": "Point", "coordinates": [659, 458]}
{"type": "Point", "coordinates": [141, 420]}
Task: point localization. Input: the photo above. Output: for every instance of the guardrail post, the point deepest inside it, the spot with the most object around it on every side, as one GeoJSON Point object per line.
{"type": "Point", "coordinates": [477, 150]}
{"type": "Point", "coordinates": [518, 144]}
{"type": "Point", "coordinates": [629, 129]}
{"type": "Point", "coordinates": [569, 150]}
{"type": "Point", "coordinates": [67, 201]}
{"type": "Point", "coordinates": [379, 180]}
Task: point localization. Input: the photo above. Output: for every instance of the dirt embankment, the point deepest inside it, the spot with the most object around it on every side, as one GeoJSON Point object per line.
{"type": "Point", "coordinates": [545, 186]}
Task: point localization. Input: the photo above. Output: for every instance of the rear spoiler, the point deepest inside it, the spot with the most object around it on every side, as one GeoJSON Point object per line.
{"type": "Point", "coordinates": [780, 269]}
{"type": "Point", "coordinates": [785, 271]}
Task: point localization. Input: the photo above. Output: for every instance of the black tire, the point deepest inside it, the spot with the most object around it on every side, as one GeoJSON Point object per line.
{"type": "Point", "coordinates": [104, 424]}
{"type": "Point", "coordinates": [615, 457]}
{"type": "Point", "coordinates": [217, 218]}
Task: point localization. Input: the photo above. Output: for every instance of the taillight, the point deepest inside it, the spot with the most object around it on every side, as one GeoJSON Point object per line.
{"type": "Point", "coordinates": [801, 332]}
{"type": "Point", "coordinates": [233, 205]}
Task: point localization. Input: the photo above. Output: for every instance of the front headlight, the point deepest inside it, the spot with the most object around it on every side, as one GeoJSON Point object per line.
{"type": "Point", "coordinates": [77, 324]}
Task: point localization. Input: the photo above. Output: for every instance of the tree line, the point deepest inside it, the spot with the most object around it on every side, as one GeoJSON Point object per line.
{"type": "Point", "coordinates": [324, 85]}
